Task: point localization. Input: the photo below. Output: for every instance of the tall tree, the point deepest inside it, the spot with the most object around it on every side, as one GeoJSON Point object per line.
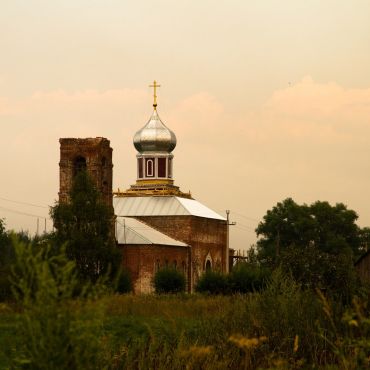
{"type": "Point", "coordinates": [331, 229]}
{"type": "Point", "coordinates": [85, 225]}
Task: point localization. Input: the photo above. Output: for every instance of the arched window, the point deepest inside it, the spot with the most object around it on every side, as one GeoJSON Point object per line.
{"type": "Point", "coordinates": [149, 168]}
{"type": "Point", "coordinates": [208, 266]}
{"type": "Point", "coordinates": [79, 165]}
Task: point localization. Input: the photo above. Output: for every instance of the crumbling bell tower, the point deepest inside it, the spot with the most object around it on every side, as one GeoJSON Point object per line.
{"type": "Point", "coordinates": [93, 155]}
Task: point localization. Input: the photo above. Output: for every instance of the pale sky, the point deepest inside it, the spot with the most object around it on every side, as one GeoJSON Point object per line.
{"type": "Point", "coordinates": [268, 99]}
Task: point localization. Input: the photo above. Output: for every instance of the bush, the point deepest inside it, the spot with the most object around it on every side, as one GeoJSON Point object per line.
{"type": "Point", "coordinates": [123, 282]}
{"type": "Point", "coordinates": [169, 280]}
{"type": "Point", "coordinates": [55, 332]}
{"type": "Point", "coordinates": [245, 277]}
{"type": "Point", "coordinates": [212, 282]}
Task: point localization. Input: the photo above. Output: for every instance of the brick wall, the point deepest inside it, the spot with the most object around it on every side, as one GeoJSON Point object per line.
{"type": "Point", "coordinates": [207, 238]}
{"type": "Point", "coordinates": [142, 262]}
{"type": "Point", "coordinates": [98, 155]}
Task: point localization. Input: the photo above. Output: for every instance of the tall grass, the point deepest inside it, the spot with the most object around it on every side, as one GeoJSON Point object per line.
{"type": "Point", "coordinates": [282, 326]}
{"type": "Point", "coordinates": [56, 331]}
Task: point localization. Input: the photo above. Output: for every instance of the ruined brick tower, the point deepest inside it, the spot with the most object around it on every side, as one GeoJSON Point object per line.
{"type": "Point", "coordinates": [92, 154]}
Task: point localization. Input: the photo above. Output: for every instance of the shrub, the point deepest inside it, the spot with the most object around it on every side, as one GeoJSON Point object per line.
{"type": "Point", "coordinates": [212, 282]}
{"type": "Point", "coordinates": [169, 280]}
{"type": "Point", "coordinates": [55, 332]}
{"type": "Point", "coordinates": [123, 282]}
{"type": "Point", "coordinates": [245, 277]}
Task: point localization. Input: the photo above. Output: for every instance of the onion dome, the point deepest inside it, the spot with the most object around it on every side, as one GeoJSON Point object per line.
{"type": "Point", "coordinates": [155, 136]}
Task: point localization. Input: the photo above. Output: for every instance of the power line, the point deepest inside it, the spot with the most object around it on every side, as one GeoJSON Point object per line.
{"type": "Point", "coordinates": [243, 216]}
{"type": "Point", "coordinates": [244, 229]}
{"type": "Point", "coordinates": [247, 226]}
{"type": "Point", "coordinates": [22, 213]}
{"type": "Point", "coordinates": [25, 203]}
{"type": "Point", "coordinates": [246, 217]}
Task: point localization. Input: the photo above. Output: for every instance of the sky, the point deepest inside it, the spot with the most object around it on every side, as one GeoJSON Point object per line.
{"type": "Point", "coordinates": [268, 99]}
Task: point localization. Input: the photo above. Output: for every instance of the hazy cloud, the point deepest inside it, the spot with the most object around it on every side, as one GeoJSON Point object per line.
{"type": "Point", "coordinates": [309, 140]}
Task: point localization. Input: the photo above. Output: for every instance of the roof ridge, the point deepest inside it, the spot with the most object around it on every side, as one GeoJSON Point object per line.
{"type": "Point", "coordinates": [138, 234]}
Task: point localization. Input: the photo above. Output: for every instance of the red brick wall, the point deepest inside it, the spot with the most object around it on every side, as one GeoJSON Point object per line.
{"type": "Point", "coordinates": [98, 155]}
{"type": "Point", "coordinates": [205, 236]}
{"type": "Point", "coordinates": [141, 262]}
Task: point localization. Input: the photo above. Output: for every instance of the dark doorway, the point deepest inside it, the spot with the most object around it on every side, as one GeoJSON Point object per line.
{"type": "Point", "coordinates": [208, 266]}
{"type": "Point", "coordinates": [79, 165]}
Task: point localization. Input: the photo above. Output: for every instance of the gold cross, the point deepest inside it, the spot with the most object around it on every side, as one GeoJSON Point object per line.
{"type": "Point", "coordinates": [155, 85]}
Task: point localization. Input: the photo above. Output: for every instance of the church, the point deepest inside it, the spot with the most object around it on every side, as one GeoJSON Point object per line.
{"type": "Point", "coordinates": [156, 224]}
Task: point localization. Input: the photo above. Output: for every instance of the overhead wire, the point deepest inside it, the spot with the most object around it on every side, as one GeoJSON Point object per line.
{"type": "Point", "coordinates": [22, 213]}
{"type": "Point", "coordinates": [24, 203]}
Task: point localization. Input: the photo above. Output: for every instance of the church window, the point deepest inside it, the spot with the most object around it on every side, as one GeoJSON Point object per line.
{"type": "Point", "coordinates": [140, 167]}
{"type": "Point", "coordinates": [150, 167]}
{"type": "Point", "coordinates": [79, 165]}
{"type": "Point", "coordinates": [162, 167]}
{"type": "Point", "coordinates": [208, 266]}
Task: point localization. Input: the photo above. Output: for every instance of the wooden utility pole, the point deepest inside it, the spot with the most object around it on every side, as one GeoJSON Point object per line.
{"type": "Point", "coordinates": [228, 223]}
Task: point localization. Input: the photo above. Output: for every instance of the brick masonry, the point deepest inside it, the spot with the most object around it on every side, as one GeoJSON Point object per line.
{"type": "Point", "coordinates": [98, 156]}
{"type": "Point", "coordinates": [206, 237]}
{"type": "Point", "coordinates": [144, 260]}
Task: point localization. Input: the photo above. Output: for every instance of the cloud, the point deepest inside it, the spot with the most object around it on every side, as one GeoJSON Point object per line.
{"type": "Point", "coordinates": [309, 141]}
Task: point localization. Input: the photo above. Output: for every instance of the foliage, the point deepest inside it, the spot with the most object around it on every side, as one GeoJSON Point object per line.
{"type": "Point", "coordinates": [331, 229]}
{"type": "Point", "coordinates": [123, 282]}
{"type": "Point", "coordinates": [212, 282]}
{"type": "Point", "coordinates": [315, 269]}
{"type": "Point", "coordinates": [169, 280]}
{"type": "Point", "coordinates": [281, 327]}
{"type": "Point", "coordinates": [6, 258]}
{"type": "Point", "coordinates": [364, 236]}
{"type": "Point", "coordinates": [55, 332]}
{"type": "Point", "coordinates": [85, 225]}
{"type": "Point", "coordinates": [247, 277]}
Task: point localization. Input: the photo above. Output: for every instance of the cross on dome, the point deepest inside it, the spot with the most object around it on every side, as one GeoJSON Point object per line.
{"type": "Point", "coordinates": [155, 85]}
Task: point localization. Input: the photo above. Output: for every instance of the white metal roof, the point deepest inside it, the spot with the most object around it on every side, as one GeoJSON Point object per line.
{"type": "Point", "coordinates": [162, 206]}
{"type": "Point", "coordinates": [132, 231]}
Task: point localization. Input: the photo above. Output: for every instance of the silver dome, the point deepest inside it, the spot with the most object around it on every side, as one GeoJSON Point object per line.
{"type": "Point", "coordinates": [155, 136]}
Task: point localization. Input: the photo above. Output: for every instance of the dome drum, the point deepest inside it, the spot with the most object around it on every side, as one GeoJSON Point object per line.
{"type": "Point", "coordinates": [154, 166]}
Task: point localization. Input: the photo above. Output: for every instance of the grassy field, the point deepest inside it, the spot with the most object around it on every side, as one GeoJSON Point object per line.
{"type": "Point", "coordinates": [280, 328]}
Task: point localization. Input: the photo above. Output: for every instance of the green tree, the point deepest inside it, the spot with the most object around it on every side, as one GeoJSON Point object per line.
{"type": "Point", "coordinates": [331, 229]}
{"type": "Point", "coordinates": [169, 280]}
{"type": "Point", "coordinates": [316, 269]}
{"type": "Point", "coordinates": [247, 277]}
{"type": "Point", "coordinates": [54, 331]}
{"type": "Point", "coordinates": [364, 239]}
{"type": "Point", "coordinates": [85, 225]}
{"type": "Point", "coordinates": [6, 259]}
{"type": "Point", "coordinates": [212, 282]}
